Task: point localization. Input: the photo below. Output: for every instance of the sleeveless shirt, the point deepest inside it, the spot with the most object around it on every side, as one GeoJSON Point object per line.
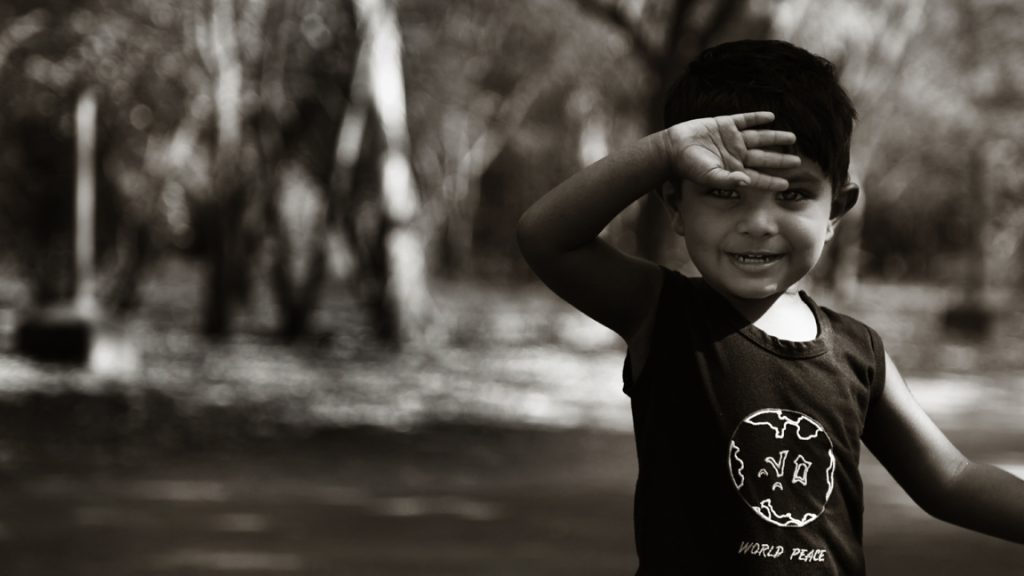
{"type": "Point", "coordinates": [748, 445]}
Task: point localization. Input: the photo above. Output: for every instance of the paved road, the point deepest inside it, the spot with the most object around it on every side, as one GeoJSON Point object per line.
{"type": "Point", "coordinates": [192, 497]}
{"type": "Point", "coordinates": [441, 501]}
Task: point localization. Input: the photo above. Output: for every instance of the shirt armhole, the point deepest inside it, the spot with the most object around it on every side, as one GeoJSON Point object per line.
{"type": "Point", "coordinates": [878, 377]}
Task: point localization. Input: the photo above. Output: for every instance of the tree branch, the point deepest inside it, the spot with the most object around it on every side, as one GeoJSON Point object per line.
{"type": "Point", "coordinates": [719, 18]}
{"type": "Point", "coordinates": [23, 28]}
{"type": "Point", "coordinates": [509, 116]}
{"type": "Point", "coordinates": [613, 13]}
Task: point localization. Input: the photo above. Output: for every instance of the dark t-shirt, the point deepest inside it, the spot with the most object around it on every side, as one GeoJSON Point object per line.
{"type": "Point", "coordinates": [748, 445]}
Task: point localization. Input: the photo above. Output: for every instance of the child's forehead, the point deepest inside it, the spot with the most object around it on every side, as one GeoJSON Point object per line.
{"type": "Point", "coordinates": [807, 175]}
{"type": "Point", "coordinates": [807, 171]}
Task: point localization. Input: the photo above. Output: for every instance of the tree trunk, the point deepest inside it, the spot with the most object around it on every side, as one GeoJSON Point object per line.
{"type": "Point", "coordinates": [974, 315]}
{"type": "Point", "coordinates": [684, 39]}
{"type": "Point", "coordinates": [85, 203]}
{"type": "Point", "coordinates": [300, 250]}
{"type": "Point", "coordinates": [225, 207]}
{"type": "Point", "coordinates": [396, 259]}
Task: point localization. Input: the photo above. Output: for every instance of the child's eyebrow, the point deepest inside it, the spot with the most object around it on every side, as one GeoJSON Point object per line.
{"type": "Point", "coordinates": [802, 178]}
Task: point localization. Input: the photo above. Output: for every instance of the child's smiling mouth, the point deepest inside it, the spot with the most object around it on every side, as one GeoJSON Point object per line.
{"type": "Point", "coordinates": [754, 258]}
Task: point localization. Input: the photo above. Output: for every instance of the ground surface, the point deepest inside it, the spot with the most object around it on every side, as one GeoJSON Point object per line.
{"type": "Point", "coordinates": [502, 450]}
{"type": "Point", "coordinates": [438, 501]}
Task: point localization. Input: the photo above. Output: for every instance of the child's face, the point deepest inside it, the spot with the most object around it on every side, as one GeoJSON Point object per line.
{"type": "Point", "coordinates": [753, 244]}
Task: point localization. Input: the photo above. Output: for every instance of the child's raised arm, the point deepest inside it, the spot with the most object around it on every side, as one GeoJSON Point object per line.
{"type": "Point", "coordinates": [558, 235]}
{"type": "Point", "coordinates": [935, 474]}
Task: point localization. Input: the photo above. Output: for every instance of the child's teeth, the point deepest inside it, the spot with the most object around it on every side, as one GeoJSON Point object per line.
{"type": "Point", "coordinates": [754, 258]}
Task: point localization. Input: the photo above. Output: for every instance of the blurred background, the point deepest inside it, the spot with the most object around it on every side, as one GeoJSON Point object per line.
{"type": "Point", "coordinates": [261, 308]}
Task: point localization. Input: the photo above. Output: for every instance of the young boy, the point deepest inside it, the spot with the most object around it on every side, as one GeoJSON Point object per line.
{"type": "Point", "coordinates": [749, 400]}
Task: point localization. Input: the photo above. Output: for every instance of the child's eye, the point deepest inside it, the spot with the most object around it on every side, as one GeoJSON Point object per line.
{"type": "Point", "coordinates": [792, 195]}
{"type": "Point", "coordinates": [723, 194]}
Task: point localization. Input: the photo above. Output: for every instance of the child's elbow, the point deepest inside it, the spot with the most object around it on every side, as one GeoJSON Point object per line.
{"type": "Point", "coordinates": [528, 235]}
{"type": "Point", "coordinates": [933, 505]}
{"type": "Point", "coordinates": [939, 499]}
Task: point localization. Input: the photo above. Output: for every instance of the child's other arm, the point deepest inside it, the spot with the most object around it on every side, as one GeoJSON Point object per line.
{"type": "Point", "coordinates": [935, 474]}
{"type": "Point", "coordinates": [558, 235]}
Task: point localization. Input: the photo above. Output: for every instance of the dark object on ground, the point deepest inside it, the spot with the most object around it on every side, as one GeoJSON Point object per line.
{"type": "Point", "coordinates": [56, 335]}
{"type": "Point", "coordinates": [970, 319]}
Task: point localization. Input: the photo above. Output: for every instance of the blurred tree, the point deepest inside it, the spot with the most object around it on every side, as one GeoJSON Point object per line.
{"type": "Point", "coordinates": [241, 130]}
{"type": "Point", "coordinates": [489, 83]}
{"type": "Point", "coordinates": [45, 74]}
{"type": "Point", "coordinates": [18, 30]}
{"type": "Point", "coordinates": [279, 75]}
{"type": "Point", "coordinates": [895, 58]}
{"type": "Point", "coordinates": [222, 212]}
{"type": "Point", "coordinates": [304, 69]}
{"type": "Point", "coordinates": [949, 98]}
{"type": "Point", "coordinates": [219, 121]}
{"type": "Point", "coordinates": [870, 43]}
{"type": "Point", "coordinates": [272, 119]}
{"type": "Point", "coordinates": [477, 77]}
{"type": "Point", "coordinates": [374, 179]}
{"type": "Point", "coordinates": [989, 155]}
{"type": "Point", "coordinates": [907, 80]}
{"type": "Point", "coordinates": [665, 35]}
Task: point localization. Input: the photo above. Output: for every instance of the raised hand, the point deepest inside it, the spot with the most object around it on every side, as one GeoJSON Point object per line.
{"type": "Point", "coordinates": [725, 151]}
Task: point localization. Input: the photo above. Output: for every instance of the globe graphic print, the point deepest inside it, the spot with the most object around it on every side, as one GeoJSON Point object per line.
{"type": "Point", "coordinates": [782, 464]}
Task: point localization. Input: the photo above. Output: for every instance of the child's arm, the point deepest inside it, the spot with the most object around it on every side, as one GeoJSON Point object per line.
{"type": "Point", "coordinates": [935, 474]}
{"type": "Point", "coordinates": [558, 234]}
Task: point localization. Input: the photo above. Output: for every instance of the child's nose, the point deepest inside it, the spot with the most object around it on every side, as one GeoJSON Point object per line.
{"type": "Point", "coordinates": [757, 220]}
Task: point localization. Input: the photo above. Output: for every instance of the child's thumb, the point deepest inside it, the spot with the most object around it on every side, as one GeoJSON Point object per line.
{"type": "Point", "coordinates": [739, 179]}
{"type": "Point", "coordinates": [722, 178]}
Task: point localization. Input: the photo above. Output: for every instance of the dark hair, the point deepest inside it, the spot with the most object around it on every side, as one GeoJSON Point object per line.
{"type": "Point", "coordinates": [799, 87]}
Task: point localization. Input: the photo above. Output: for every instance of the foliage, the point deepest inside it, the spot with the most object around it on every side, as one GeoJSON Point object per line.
{"type": "Point", "coordinates": [84, 45]}
{"type": "Point", "coordinates": [926, 105]}
{"type": "Point", "coordinates": [501, 99]}
{"type": "Point", "coordinates": [152, 64]}
{"type": "Point", "coordinates": [491, 83]}
{"type": "Point", "coordinates": [925, 102]}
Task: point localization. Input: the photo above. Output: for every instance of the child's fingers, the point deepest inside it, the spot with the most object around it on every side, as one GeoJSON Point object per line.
{"type": "Point", "coordinates": [767, 138]}
{"type": "Point", "coordinates": [766, 182]}
{"type": "Point", "coordinates": [720, 177]}
{"type": "Point", "coordinates": [768, 159]}
{"type": "Point", "coordinates": [725, 179]}
{"type": "Point", "coordinates": [748, 119]}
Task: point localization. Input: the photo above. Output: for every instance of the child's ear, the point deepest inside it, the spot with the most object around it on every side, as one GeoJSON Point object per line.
{"type": "Point", "coordinates": [830, 229]}
{"type": "Point", "coordinates": [671, 194]}
{"type": "Point", "coordinates": [845, 199]}
{"type": "Point", "coordinates": [841, 204]}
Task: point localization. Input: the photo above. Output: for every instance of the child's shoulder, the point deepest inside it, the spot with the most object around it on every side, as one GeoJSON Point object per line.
{"type": "Point", "coordinates": [681, 280]}
{"type": "Point", "coordinates": [846, 321]}
{"type": "Point", "coordinates": [850, 333]}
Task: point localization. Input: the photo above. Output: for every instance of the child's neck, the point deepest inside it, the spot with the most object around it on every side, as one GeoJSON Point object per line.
{"type": "Point", "coordinates": [785, 316]}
